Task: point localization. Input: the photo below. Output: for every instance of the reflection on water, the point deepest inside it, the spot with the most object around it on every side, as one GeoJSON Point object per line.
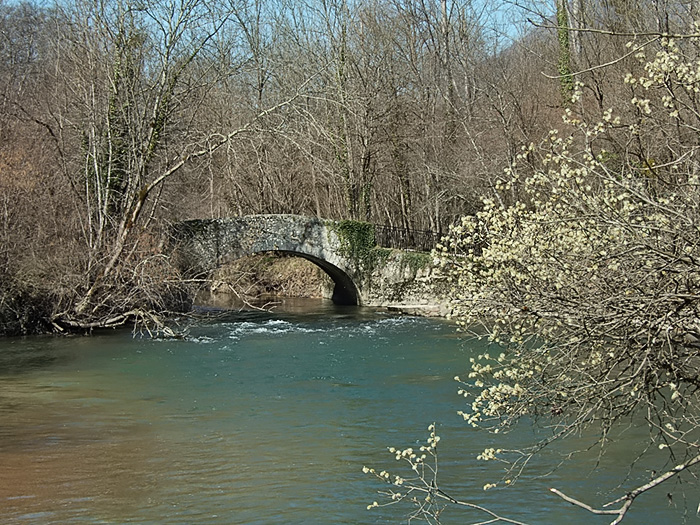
{"type": "Point", "coordinates": [20, 357]}
{"type": "Point", "coordinates": [256, 418]}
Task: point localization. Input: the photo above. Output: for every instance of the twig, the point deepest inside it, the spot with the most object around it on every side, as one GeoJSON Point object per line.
{"type": "Point", "coordinates": [628, 499]}
{"type": "Point", "coordinates": [440, 493]}
{"type": "Point", "coordinates": [607, 64]}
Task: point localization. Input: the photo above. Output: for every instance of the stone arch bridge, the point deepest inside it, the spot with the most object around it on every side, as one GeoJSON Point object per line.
{"type": "Point", "coordinates": [362, 273]}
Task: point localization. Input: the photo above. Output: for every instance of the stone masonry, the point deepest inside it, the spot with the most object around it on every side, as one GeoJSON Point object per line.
{"type": "Point", "coordinates": [393, 280]}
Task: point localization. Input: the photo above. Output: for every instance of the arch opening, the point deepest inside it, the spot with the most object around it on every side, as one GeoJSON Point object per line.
{"type": "Point", "coordinates": [344, 290]}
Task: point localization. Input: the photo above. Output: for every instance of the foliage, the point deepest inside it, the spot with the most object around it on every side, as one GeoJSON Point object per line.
{"type": "Point", "coordinates": [584, 272]}
{"type": "Point", "coordinates": [589, 280]}
{"type": "Point", "coordinates": [416, 260]}
{"type": "Point", "coordinates": [357, 239]}
{"type": "Point", "coordinates": [420, 487]}
{"type": "Point", "coordinates": [564, 64]}
{"type": "Point", "coordinates": [378, 256]}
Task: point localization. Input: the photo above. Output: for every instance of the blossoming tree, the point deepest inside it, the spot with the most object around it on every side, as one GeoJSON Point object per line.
{"type": "Point", "coordinates": [584, 272]}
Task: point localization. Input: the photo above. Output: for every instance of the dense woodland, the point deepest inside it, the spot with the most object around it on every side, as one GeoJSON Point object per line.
{"type": "Point", "coordinates": [118, 117]}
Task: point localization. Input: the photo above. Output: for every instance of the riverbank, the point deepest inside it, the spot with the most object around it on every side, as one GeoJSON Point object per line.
{"type": "Point", "coordinates": [407, 288]}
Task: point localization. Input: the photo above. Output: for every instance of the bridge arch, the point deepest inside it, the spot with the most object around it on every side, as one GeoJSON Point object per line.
{"type": "Point", "coordinates": [202, 245]}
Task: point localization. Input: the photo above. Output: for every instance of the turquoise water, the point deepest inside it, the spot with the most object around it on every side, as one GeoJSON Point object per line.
{"type": "Point", "coordinates": [262, 418]}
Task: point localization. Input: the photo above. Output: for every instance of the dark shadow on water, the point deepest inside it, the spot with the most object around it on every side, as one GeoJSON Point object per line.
{"type": "Point", "coordinates": [16, 357]}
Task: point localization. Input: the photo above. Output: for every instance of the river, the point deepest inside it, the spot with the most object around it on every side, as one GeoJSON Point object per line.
{"type": "Point", "coordinates": [264, 418]}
